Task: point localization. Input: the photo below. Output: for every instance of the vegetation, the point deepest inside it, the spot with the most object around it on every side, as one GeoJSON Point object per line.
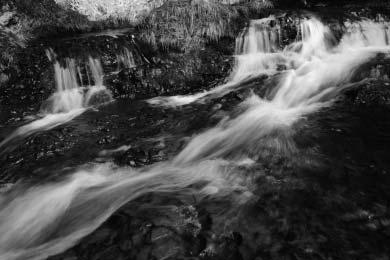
{"type": "Point", "coordinates": [180, 24]}
{"type": "Point", "coordinates": [176, 24]}
{"type": "Point", "coordinates": [44, 17]}
{"type": "Point", "coordinates": [22, 20]}
{"type": "Point", "coordinates": [186, 24]}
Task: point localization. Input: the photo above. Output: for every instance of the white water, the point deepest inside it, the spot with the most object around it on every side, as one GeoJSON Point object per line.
{"type": "Point", "coordinates": [45, 220]}
{"type": "Point", "coordinates": [258, 52]}
{"type": "Point", "coordinates": [70, 100]}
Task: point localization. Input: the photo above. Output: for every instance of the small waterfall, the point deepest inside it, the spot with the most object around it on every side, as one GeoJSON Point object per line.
{"type": "Point", "coordinates": [262, 35]}
{"type": "Point", "coordinates": [256, 46]}
{"type": "Point", "coordinates": [70, 95]}
{"type": "Point", "coordinates": [97, 71]}
{"type": "Point", "coordinates": [258, 51]}
{"type": "Point", "coordinates": [314, 36]}
{"type": "Point", "coordinates": [70, 99]}
{"type": "Point", "coordinates": [366, 33]}
{"type": "Point", "coordinates": [126, 59]}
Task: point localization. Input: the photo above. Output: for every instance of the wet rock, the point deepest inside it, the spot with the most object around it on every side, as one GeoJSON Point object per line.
{"type": "Point", "coordinates": [106, 140]}
{"type": "Point", "coordinates": [160, 233]}
{"type": "Point", "coordinates": [137, 157]}
{"type": "Point", "coordinates": [100, 236]}
{"type": "Point", "coordinates": [166, 247]}
{"type": "Point", "coordinates": [71, 258]}
{"type": "Point", "coordinates": [190, 222]}
{"type": "Point", "coordinates": [7, 18]}
{"type": "Point", "coordinates": [141, 233]}
{"type": "Point", "coordinates": [3, 78]}
{"type": "Point", "coordinates": [371, 94]}
{"type": "Point", "coordinates": [99, 98]}
{"type": "Point", "coordinates": [68, 255]}
{"type": "Point", "coordinates": [126, 245]}
{"type": "Point", "coordinates": [226, 247]}
{"type": "Point", "coordinates": [111, 253]}
{"type": "Point", "coordinates": [144, 253]}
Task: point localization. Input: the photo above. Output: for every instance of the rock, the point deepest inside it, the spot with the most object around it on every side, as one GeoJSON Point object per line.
{"type": "Point", "coordinates": [134, 157]}
{"type": "Point", "coordinates": [161, 234]}
{"type": "Point", "coordinates": [3, 78]}
{"type": "Point", "coordinates": [99, 236]}
{"type": "Point", "coordinates": [371, 94]}
{"type": "Point", "coordinates": [144, 253]}
{"type": "Point", "coordinates": [68, 255]}
{"type": "Point", "coordinates": [216, 107]}
{"type": "Point", "coordinates": [6, 18]}
{"type": "Point", "coordinates": [164, 243]}
{"type": "Point", "coordinates": [71, 258]}
{"type": "Point", "coordinates": [141, 234]}
{"type": "Point", "coordinates": [189, 221]}
{"type": "Point", "coordinates": [126, 245]}
{"type": "Point", "coordinates": [111, 253]}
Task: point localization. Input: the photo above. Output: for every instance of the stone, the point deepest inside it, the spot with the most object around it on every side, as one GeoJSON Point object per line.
{"type": "Point", "coordinates": [144, 253]}
{"type": "Point", "coordinates": [161, 234]}
{"type": "Point", "coordinates": [111, 253]}
{"type": "Point", "coordinates": [126, 245]}
{"type": "Point", "coordinates": [99, 236]}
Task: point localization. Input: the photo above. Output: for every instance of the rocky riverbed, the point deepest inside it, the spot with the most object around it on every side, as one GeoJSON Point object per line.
{"type": "Point", "coordinates": [316, 189]}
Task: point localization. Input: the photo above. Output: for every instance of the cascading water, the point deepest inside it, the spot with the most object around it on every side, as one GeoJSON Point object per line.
{"type": "Point", "coordinates": [70, 95]}
{"type": "Point", "coordinates": [366, 33]}
{"type": "Point", "coordinates": [126, 58]}
{"type": "Point", "coordinates": [46, 220]}
{"type": "Point", "coordinates": [70, 99]}
{"type": "Point", "coordinates": [256, 53]}
{"type": "Point", "coordinates": [259, 37]}
{"type": "Point", "coordinates": [255, 48]}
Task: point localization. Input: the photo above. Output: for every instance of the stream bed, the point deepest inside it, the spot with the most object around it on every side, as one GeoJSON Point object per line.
{"type": "Point", "coordinates": [275, 148]}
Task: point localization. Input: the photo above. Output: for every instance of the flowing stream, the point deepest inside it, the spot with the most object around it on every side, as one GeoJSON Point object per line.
{"type": "Point", "coordinates": [309, 75]}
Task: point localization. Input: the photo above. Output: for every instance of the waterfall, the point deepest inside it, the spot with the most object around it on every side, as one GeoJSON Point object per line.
{"type": "Point", "coordinates": [366, 33]}
{"type": "Point", "coordinates": [261, 36]}
{"type": "Point", "coordinates": [70, 95]}
{"type": "Point", "coordinates": [48, 219]}
{"type": "Point", "coordinates": [257, 49]}
{"type": "Point", "coordinates": [258, 52]}
{"type": "Point", "coordinates": [96, 70]}
{"type": "Point", "coordinates": [126, 59]}
{"type": "Point", "coordinates": [70, 99]}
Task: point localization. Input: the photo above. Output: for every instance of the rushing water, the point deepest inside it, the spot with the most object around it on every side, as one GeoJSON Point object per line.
{"type": "Point", "coordinates": [258, 52]}
{"type": "Point", "coordinates": [39, 221]}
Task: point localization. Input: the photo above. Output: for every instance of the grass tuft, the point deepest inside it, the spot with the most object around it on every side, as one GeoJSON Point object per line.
{"type": "Point", "coordinates": [186, 24]}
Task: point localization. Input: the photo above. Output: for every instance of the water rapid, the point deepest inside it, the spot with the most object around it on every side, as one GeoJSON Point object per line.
{"type": "Point", "coordinates": [259, 52]}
